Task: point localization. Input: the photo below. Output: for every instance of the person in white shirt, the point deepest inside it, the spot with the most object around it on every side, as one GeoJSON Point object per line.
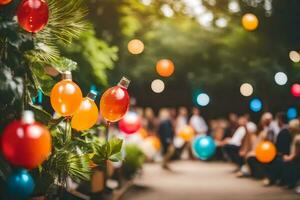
{"type": "Point", "coordinates": [198, 123]}
{"type": "Point", "coordinates": [231, 146]}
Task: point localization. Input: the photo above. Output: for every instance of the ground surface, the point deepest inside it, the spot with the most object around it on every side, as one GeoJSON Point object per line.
{"type": "Point", "coordinates": [194, 180]}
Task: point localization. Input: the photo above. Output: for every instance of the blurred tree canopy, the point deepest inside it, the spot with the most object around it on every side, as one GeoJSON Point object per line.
{"type": "Point", "coordinates": [211, 50]}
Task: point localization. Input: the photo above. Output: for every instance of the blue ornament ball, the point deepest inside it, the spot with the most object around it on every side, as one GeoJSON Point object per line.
{"type": "Point", "coordinates": [204, 147]}
{"type": "Point", "coordinates": [20, 184]}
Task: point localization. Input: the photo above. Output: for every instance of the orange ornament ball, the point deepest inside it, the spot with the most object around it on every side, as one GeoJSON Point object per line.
{"type": "Point", "coordinates": [4, 2]}
{"type": "Point", "coordinates": [135, 46]}
{"type": "Point", "coordinates": [66, 96]}
{"type": "Point", "coordinates": [265, 152]}
{"type": "Point", "coordinates": [250, 22]}
{"type": "Point", "coordinates": [187, 133]}
{"type": "Point", "coordinates": [87, 114]}
{"type": "Point", "coordinates": [165, 67]}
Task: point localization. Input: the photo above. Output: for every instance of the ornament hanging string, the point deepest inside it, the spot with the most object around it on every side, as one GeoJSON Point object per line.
{"type": "Point", "coordinates": [107, 126]}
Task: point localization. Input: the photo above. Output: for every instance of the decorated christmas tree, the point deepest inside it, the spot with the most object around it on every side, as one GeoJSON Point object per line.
{"type": "Point", "coordinates": [47, 150]}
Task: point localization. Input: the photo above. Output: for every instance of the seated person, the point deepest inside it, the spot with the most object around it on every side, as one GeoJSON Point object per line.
{"type": "Point", "coordinates": [231, 146]}
{"type": "Point", "coordinates": [283, 144]}
{"type": "Point", "coordinates": [291, 162]}
{"type": "Point", "coordinates": [257, 168]}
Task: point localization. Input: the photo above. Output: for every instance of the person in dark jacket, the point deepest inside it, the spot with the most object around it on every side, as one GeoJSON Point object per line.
{"type": "Point", "coordinates": [166, 135]}
{"type": "Point", "coordinates": [283, 143]}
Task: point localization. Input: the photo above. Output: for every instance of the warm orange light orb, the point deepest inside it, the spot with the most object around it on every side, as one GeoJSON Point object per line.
{"type": "Point", "coordinates": [4, 2]}
{"type": "Point", "coordinates": [187, 133]}
{"type": "Point", "coordinates": [265, 152]}
{"type": "Point", "coordinates": [250, 22]}
{"type": "Point", "coordinates": [165, 67]}
{"type": "Point", "coordinates": [136, 46]}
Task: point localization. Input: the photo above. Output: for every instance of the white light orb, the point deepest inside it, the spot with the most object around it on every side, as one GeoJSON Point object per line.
{"type": "Point", "coordinates": [221, 22]}
{"type": "Point", "coordinates": [281, 78]}
{"type": "Point", "coordinates": [246, 89]}
{"type": "Point", "coordinates": [234, 6]}
{"type": "Point", "coordinates": [158, 86]}
{"type": "Point", "coordinates": [203, 99]}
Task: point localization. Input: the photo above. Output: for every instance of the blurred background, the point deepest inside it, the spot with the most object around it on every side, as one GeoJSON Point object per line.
{"type": "Point", "coordinates": [205, 39]}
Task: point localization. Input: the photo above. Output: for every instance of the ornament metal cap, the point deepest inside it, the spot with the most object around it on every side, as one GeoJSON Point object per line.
{"type": "Point", "coordinates": [92, 95]}
{"type": "Point", "coordinates": [28, 117]}
{"type": "Point", "coordinates": [124, 82]}
{"type": "Point", "coordinates": [66, 75]}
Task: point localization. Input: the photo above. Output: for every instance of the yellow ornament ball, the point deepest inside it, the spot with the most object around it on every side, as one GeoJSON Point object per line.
{"type": "Point", "coordinates": [250, 22]}
{"type": "Point", "coordinates": [136, 46]}
{"type": "Point", "coordinates": [86, 115]}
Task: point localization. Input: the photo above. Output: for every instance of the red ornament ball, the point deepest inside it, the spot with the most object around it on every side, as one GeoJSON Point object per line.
{"type": "Point", "coordinates": [131, 123]}
{"type": "Point", "coordinates": [26, 144]}
{"type": "Point", "coordinates": [33, 15]}
{"type": "Point", "coordinates": [295, 90]}
{"type": "Point", "coordinates": [4, 2]}
{"type": "Point", "coordinates": [114, 103]}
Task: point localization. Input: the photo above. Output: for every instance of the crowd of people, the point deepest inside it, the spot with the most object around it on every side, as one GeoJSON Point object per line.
{"type": "Point", "coordinates": [236, 139]}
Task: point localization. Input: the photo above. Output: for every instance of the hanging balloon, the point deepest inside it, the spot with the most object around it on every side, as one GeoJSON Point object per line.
{"type": "Point", "coordinates": [4, 2]}
{"type": "Point", "coordinates": [203, 147]}
{"type": "Point", "coordinates": [265, 152]}
{"type": "Point", "coordinates": [165, 68]}
{"type": "Point", "coordinates": [250, 22]}
{"type": "Point", "coordinates": [130, 123]}
{"type": "Point", "coordinates": [114, 102]}
{"type": "Point", "coordinates": [66, 96]}
{"type": "Point", "coordinates": [295, 90]}
{"type": "Point", "coordinates": [26, 143]}
{"type": "Point", "coordinates": [187, 133]}
{"type": "Point", "coordinates": [33, 15]}
{"type": "Point", "coordinates": [20, 184]}
{"type": "Point", "coordinates": [87, 114]}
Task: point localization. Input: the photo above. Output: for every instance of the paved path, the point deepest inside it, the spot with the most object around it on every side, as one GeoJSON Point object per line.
{"type": "Point", "coordinates": [195, 180]}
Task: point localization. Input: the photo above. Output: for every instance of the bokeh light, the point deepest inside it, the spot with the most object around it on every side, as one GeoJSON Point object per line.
{"type": "Point", "coordinates": [294, 56]}
{"type": "Point", "coordinates": [256, 105]}
{"type": "Point", "coordinates": [221, 22]}
{"type": "Point", "coordinates": [292, 113]}
{"type": "Point", "coordinates": [136, 46]}
{"type": "Point", "coordinates": [295, 90]}
{"type": "Point", "coordinates": [165, 67]}
{"type": "Point", "coordinates": [234, 6]}
{"type": "Point", "coordinates": [246, 89]}
{"type": "Point", "coordinates": [157, 86]}
{"type": "Point", "coordinates": [250, 22]}
{"type": "Point", "coordinates": [203, 99]}
{"type": "Point", "coordinates": [281, 78]}
{"type": "Point", "coordinates": [167, 10]}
